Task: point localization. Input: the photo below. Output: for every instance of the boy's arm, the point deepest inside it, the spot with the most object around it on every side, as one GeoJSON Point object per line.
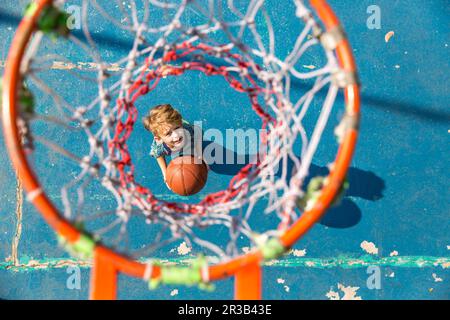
{"type": "Point", "coordinates": [162, 164]}
{"type": "Point", "coordinates": [157, 151]}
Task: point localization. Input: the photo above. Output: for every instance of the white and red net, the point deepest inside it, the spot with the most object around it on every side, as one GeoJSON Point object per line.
{"type": "Point", "coordinates": [232, 40]}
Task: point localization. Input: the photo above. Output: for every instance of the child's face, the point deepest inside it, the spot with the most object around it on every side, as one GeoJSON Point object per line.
{"type": "Point", "coordinates": [172, 135]}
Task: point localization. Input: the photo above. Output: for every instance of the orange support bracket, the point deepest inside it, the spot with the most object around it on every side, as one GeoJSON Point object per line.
{"type": "Point", "coordinates": [103, 277]}
{"type": "Point", "coordinates": [248, 282]}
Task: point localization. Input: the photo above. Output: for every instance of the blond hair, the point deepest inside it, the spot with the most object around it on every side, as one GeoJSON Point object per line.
{"type": "Point", "coordinates": [163, 114]}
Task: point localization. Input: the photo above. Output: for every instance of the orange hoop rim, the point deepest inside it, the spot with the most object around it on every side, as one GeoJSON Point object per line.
{"type": "Point", "coordinates": [12, 79]}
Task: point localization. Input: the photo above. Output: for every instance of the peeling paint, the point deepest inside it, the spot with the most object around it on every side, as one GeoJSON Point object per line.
{"type": "Point", "coordinates": [298, 253]}
{"type": "Point", "coordinates": [349, 293]}
{"type": "Point", "coordinates": [285, 287]}
{"type": "Point", "coordinates": [436, 278]}
{"type": "Point", "coordinates": [18, 230]}
{"type": "Point", "coordinates": [388, 36]}
{"type": "Point", "coordinates": [183, 249]}
{"type": "Point", "coordinates": [28, 264]}
{"type": "Point", "coordinates": [86, 66]}
{"type": "Point", "coordinates": [369, 247]}
{"type": "Point", "coordinates": [332, 295]}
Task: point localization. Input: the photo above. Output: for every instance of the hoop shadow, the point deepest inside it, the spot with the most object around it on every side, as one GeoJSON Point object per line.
{"type": "Point", "coordinates": [363, 184]}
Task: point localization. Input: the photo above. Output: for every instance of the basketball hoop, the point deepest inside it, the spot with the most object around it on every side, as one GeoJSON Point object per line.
{"type": "Point", "coordinates": [107, 120]}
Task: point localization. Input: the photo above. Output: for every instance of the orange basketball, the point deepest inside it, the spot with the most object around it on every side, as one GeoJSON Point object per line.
{"type": "Point", "coordinates": [185, 177]}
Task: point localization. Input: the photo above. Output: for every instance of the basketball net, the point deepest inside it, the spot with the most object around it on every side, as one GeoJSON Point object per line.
{"type": "Point", "coordinates": [125, 227]}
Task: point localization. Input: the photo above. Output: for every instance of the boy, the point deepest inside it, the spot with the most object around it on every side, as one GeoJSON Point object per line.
{"type": "Point", "coordinates": [172, 136]}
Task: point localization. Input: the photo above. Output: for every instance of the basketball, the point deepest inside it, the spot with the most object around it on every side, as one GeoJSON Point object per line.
{"type": "Point", "coordinates": [185, 177]}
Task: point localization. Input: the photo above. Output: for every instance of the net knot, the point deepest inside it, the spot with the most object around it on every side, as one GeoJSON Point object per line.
{"type": "Point", "coordinates": [170, 56]}
{"type": "Point", "coordinates": [210, 69]}
{"type": "Point", "coordinates": [272, 248]}
{"type": "Point", "coordinates": [235, 84]}
{"type": "Point", "coordinates": [195, 274]}
{"type": "Point", "coordinates": [52, 21]}
{"type": "Point", "coordinates": [82, 248]}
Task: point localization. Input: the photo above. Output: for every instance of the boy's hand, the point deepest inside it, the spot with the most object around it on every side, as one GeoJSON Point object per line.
{"type": "Point", "coordinates": [167, 185]}
{"type": "Point", "coordinates": [203, 160]}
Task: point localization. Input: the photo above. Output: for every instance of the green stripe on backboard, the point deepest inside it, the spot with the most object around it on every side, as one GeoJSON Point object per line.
{"type": "Point", "coordinates": [27, 264]}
